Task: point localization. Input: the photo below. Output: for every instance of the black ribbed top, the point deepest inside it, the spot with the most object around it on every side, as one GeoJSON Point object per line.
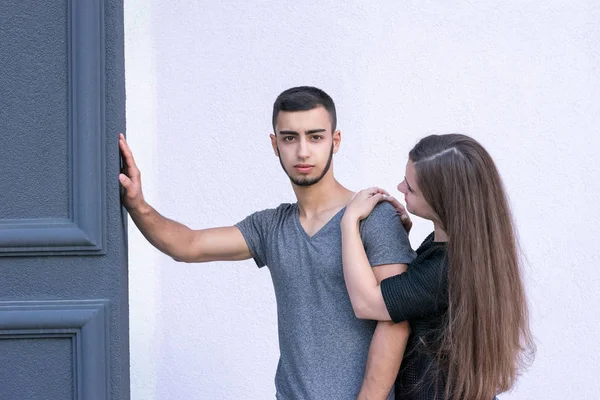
{"type": "Point", "coordinates": [420, 295]}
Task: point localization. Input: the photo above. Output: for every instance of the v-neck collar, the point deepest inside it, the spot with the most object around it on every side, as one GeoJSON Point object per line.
{"type": "Point", "coordinates": [317, 233]}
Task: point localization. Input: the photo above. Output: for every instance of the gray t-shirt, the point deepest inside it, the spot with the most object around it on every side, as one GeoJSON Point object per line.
{"type": "Point", "coordinates": [323, 346]}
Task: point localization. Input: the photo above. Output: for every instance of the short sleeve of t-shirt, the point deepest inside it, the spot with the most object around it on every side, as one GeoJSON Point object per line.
{"type": "Point", "coordinates": [384, 238]}
{"type": "Point", "coordinates": [422, 290]}
{"type": "Point", "coordinates": [255, 229]}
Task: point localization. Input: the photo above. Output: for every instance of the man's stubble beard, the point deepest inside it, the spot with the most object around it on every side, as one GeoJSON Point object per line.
{"type": "Point", "coordinates": [304, 182]}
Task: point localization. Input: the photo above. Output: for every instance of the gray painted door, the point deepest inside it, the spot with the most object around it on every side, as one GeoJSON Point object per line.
{"type": "Point", "coordinates": [63, 258]}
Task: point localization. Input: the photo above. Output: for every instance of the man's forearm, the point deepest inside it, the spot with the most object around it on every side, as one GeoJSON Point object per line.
{"type": "Point", "coordinates": [384, 359]}
{"type": "Point", "coordinates": [168, 236]}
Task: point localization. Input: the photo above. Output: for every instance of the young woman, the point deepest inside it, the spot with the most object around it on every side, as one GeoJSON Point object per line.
{"type": "Point", "coordinates": [463, 295]}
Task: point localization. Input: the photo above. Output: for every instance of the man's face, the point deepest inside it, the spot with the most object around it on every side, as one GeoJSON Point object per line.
{"type": "Point", "coordinates": [305, 145]}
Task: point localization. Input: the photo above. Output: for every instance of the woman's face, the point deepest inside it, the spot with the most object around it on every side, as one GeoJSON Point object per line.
{"type": "Point", "coordinates": [413, 197]}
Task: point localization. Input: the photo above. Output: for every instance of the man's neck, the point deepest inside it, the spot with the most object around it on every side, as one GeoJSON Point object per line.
{"type": "Point", "coordinates": [323, 196]}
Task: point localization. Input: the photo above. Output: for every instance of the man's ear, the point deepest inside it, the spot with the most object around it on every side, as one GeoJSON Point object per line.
{"type": "Point", "coordinates": [274, 144]}
{"type": "Point", "coordinates": [337, 140]}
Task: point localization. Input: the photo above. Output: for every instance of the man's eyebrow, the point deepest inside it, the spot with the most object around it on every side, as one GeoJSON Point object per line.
{"type": "Point", "coordinates": [309, 132]}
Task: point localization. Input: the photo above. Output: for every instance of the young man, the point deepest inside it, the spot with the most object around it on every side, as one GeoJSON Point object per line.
{"type": "Point", "coordinates": [325, 351]}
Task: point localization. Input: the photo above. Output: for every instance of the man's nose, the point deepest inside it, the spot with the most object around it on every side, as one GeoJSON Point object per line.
{"type": "Point", "coordinates": [303, 149]}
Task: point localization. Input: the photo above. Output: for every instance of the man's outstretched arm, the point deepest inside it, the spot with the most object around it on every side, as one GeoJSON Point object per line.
{"type": "Point", "coordinates": [172, 238]}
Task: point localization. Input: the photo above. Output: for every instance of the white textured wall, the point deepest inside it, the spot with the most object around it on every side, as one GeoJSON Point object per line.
{"type": "Point", "coordinates": [523, 77]}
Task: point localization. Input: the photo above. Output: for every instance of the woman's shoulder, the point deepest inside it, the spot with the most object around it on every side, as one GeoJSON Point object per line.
{"type": "Point", "coordinates": [430, 251]}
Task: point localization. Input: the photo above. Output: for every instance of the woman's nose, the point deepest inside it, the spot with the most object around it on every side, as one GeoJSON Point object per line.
{"type": "Point", "coordinates": [401, 187]}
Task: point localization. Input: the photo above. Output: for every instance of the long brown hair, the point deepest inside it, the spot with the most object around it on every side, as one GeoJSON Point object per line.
{"type": "Point", "coordinates": [487, 340]}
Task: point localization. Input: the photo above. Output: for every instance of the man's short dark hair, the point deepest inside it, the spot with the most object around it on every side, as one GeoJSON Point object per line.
{"type": "Point", "coordinates": [304, 98]}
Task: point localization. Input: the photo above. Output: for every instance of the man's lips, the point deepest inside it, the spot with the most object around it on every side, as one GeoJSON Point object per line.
{"type": "Point", "coordinates": [303, 168]}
